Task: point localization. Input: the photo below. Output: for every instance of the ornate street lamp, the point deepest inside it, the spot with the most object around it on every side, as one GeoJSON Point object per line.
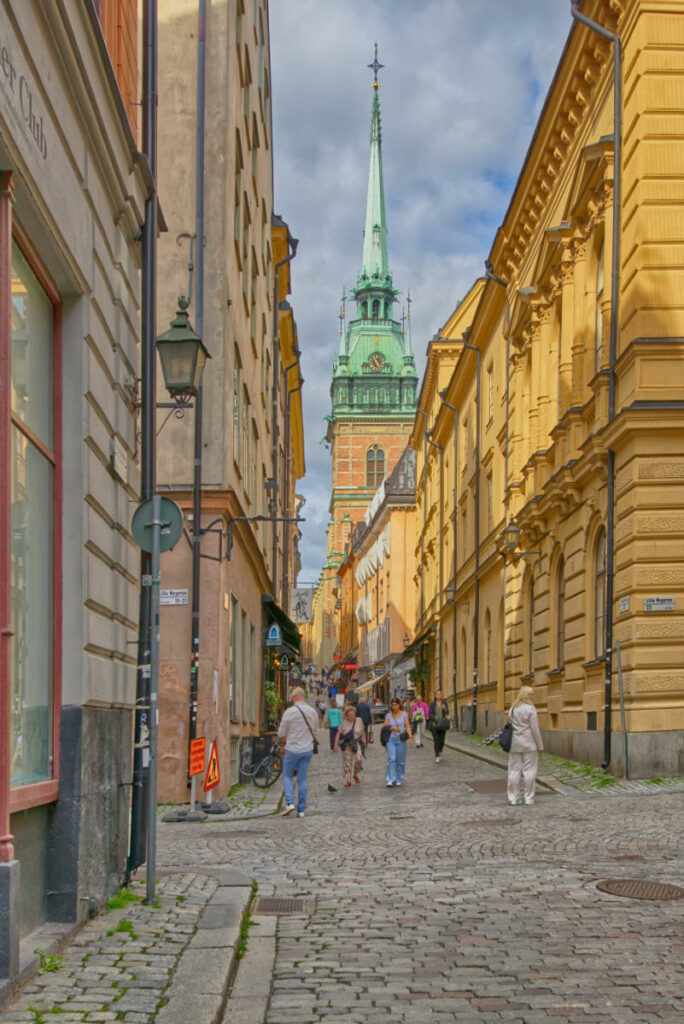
{"type": "Point", "coordinates": [511, 537]}
{"type": "Point", "coordinates": [182, 356]}
{"type": "Point", "coordinates": [407, 640]}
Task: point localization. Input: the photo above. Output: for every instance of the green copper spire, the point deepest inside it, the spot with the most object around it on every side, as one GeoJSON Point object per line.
{"type": "Point", "coordinates": [375, 262]}
{"type": "Point", "coordinates": [374, 374]}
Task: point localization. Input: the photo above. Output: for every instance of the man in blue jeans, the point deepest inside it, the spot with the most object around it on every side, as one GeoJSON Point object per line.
{"type": "Point", "coordinates": [297, 731]}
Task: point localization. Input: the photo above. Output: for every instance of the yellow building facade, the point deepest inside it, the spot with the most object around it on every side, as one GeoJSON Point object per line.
{"type": "Point", "coordinates": [562, 516]}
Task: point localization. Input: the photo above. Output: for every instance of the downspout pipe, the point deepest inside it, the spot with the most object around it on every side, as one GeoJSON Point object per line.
{"type": "Point", "coordinates": [148, 395]}
{"type": "Point", "coordinates": [199, 326]}
{"type": "Point", "coordinates": [476, 644]}
{"type": "Point", "coordinates": [614, 322]}
{"type": "Point", "coordinates": [455, 411]}
{"type": "Point", "coordinates": [292, 245]}
{"type": "Point", "coordinates": [435, 444]}
{"type": "Point", "coordinates": [286, 484]}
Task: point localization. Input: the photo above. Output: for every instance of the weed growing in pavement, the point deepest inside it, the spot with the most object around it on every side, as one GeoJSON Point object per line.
{"type": "Point", "coordinates": [122, 899]}
{"type": "Point", "coordinates": [125, 926]}
{"type": "Point", "coordinates": [181, 899]}
{"type": "Point", "coordinates": [48, 964]}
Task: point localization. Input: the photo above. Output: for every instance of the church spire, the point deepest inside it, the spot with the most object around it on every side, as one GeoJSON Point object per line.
{"type": "Point", "coordinates": [375, 262]}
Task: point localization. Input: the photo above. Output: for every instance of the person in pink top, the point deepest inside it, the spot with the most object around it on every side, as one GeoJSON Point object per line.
{"type": "Point", "coordinates": [419, 716]}
{"type": "Point", "coordinates": [526, 746]}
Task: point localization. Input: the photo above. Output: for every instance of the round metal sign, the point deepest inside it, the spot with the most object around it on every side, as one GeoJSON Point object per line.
{"type": "Point", "coordinates": [171, 524]}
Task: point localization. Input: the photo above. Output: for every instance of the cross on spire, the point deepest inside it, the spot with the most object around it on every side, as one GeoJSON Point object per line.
{"type": "Point", "coordinates": [375, 67]}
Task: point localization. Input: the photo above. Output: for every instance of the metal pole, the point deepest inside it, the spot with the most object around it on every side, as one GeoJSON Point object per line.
{"type": "Point", "coordinates": [199, 327]}
{"type": "Point", "coordinates": [455, 532]}
{"type": "Point", "coordinates": [154, 703]}
{"type": "Point", "coordinates": [148, 369]}
{"type": "Point", "coordinates": [473, 348]}
{"type": "Point", "coordinates": [614, 324]}
{"type": "Point", "coordinates": [436, 444]}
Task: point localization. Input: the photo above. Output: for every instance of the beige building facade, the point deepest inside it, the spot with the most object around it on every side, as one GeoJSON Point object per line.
{"type": "Point", "coordinates": [251, 396]}
{"type": "Point", "coordinates": [577, 494]}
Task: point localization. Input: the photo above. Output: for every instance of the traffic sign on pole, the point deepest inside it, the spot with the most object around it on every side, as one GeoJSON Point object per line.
{"type": "Point", "coordinates": [213, 776]}
{"type": "Point", "coordinates": [197, 749]}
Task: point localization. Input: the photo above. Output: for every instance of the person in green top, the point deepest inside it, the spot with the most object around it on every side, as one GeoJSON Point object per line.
{"type": "Point", "coordinates": [333, 719]}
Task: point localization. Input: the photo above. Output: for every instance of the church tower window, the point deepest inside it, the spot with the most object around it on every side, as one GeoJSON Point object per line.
{"type": "Point", "coordinates": [375, 466]}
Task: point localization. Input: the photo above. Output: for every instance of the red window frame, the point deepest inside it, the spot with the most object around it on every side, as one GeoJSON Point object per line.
{"type": "Point", "coordinates": [32, 795]}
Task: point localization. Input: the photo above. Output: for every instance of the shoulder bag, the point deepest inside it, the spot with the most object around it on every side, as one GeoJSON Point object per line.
{"type": "Point", "coordinates": [315, 741]}
{"type": "Point", "coordinates": [506, 734]}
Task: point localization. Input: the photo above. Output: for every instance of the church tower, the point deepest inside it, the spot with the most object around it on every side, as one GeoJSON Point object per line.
{"type": "Point", "coordinates": [374, 381]}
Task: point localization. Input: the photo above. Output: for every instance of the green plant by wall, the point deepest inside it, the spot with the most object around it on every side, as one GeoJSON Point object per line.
{"type": "Point", "coordinates": [48, 964]}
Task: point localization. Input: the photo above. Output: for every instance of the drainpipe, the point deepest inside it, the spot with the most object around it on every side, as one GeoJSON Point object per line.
{"type": "Point", "coordinates": [475, 349]}
{"type": "Point", "coordinates": [614, 321]}
{"type": "Point", "coordinates": [199, 325]}
{"type": "Point", "coordinates": [292, 243]}
{"type": "Point", "coordinates": [286, 484]}
{"type": "Point", "coordinates": [435, 444]}
{"type": "Point", "coordinates": [422, 533]}
{"type": "Point", "coordinates": [455, 532]}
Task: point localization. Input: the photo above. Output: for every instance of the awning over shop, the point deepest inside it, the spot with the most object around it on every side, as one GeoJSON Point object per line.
{"type": "Point", "coordinates": [421, 640]}
{"type": "Point", "coordinates": [370, 683]}
{"type": "Point", "coordinates": [291, 635]}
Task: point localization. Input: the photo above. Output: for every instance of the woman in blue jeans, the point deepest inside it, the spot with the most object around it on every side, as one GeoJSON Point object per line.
{"type": "Point", "coordinates": [398, 723]}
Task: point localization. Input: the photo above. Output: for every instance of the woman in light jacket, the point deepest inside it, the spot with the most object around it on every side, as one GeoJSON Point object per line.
{"type": "Point", "coordinates": [526, 746]}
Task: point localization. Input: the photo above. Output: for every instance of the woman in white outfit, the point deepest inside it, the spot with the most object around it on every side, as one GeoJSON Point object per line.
{"type": "Point", "coordinates": [526, 746]}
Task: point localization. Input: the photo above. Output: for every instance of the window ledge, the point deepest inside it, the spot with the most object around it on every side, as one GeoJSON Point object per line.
{"type": "Point", "coordinates": [556, 671]}
{"type": "Point", "coordinates": [594, 662]}
{"type": "Point", "coordinates": [526, 678]}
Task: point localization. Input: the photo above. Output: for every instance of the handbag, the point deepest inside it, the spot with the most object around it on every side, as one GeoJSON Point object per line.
{"type": "Point", "coordinates": [385, 734]}
{"type": "Point", "coordinates": [315, 741]}
{"type": "Point", "coordinates": [442, 724]}
{"type": "Point", "coordinates": [403, 736]}
{"type": "Point", "coordinates": [506, 734]}
{"type": "Point", "coordinates": [371, 736]}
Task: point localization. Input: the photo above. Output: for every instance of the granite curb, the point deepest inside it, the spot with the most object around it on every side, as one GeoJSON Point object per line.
{"type": "Point", "coordinates": [269, 806]}
{"type": "Point", "coordinates": [501, 761]}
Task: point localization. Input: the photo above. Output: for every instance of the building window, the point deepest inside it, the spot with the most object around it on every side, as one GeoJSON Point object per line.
{"type": "Point", "coordinates": [245, 681]}
{"type": "Point", "coordinates": [34, 516]}
{"type": "Point", "coordinates": [488, 647]}
{"type": "Point", "coordinates": [234, 657]}
{"type": "Point", "coordinates": [464, 659]}
{"type": "Point", "coordinates": [490, 393]}
{"type": "Point", "coordinates": [600, 595]}
{"type": "Point", "coordinates": [490, 503]}
{"type": "Point", "coordinates": [236, 410]}
{"type": "Point", "coordinates": [375, 466]}
{"type": "Point", "coordinates": [599, 316]}
{"type": "Point", "coordinates": [376, 308]}
{"type": "Point", "coordinates": [560, 613]}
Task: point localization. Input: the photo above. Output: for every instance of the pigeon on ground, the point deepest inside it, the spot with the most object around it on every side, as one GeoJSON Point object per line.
{"type": "Point", "coordinates": [331, 789]}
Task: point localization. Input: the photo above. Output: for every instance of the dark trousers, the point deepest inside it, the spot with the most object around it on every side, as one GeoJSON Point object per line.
{"type": "Point", "coordinates": [333, 733]}
{"type": "Point", "coordinates": [438, 739]}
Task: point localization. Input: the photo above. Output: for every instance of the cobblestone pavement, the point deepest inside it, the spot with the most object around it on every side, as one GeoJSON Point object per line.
{"type": "Point", "coordinates": [118, 967]}
{"type": "Point", "coordinates": [438, 902]}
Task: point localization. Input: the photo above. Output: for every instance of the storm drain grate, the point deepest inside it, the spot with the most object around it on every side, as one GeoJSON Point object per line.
{"type": "Point", "coordinates": [280, 905]}
{"type": "Point", "coordinates": [637, 889]}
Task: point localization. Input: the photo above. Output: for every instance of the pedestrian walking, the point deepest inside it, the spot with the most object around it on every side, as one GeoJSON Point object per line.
{"type": "Point", "coordinates": [321, 708]}
{"type": "Point", "coordinates": [297, 731]}
{"type": "Point", "coordinates": [526, 746]}
{"type": "Point", "coordinates": [333, 717]}
{"type": "Point", "coordinates": [351, 740]}
{"type": "Point", "coordinates": [400, 736]}
{"type": "Point", "coordinates": [363, 711]}
{"type": "Point", "coordinates": [438, 723]}
{"type": "Point", "coordinates": [419, 716]}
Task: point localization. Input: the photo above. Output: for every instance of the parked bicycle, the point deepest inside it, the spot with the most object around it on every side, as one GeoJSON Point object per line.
{"type": "Point", "coordinates": [268, 770]}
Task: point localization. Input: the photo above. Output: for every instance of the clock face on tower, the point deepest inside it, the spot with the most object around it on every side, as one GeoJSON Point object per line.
{"type": "Point", "coordinates": [376, 361]}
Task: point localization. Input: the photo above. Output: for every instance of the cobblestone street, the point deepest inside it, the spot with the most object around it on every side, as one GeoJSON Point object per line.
{"type": "Point", "coordinates": [439, 903]}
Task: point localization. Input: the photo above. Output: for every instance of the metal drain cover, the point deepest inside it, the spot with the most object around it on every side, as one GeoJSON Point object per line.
{"type": "Point", "coordinates": [281, 905]}
{"type": "Point", "coordinates": [637, 889]}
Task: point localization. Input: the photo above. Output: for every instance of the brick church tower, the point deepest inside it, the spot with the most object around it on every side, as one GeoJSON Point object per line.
{"type": "Point", "coordinates": [374, 381]}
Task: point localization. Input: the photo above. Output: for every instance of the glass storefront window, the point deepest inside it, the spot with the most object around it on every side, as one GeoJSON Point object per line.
{"type": "Point", "coordinates": [32, 529]}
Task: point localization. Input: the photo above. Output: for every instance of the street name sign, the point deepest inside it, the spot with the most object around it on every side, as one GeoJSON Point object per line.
{"type": "Point", "coordinates": [659, 604]}
{"type": "Point", "coordinates": [173, 597]}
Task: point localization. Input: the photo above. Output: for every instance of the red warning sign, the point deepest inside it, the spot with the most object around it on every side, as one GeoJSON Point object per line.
{"type": "Point", "coordinates": [197, 749]}
{"type": "Point", "coordinates": [213, 776]}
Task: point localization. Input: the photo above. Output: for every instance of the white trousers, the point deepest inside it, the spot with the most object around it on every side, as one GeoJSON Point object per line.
{"type": "Point", "coordinates": [523, 763]}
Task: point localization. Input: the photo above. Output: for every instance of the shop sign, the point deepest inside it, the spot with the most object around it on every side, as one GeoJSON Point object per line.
{"type": "Point", "coordinates": [20, 95]}
{"type": "Point", "coordinates": [274, 636]}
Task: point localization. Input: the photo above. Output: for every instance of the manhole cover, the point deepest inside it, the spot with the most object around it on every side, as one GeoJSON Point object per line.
{"type": "Point", "coordinates": [280, 905]}
{"type": "Point", "coordinates": [637, 889]}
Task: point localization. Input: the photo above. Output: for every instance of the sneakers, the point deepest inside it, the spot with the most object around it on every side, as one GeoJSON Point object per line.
{"type": "Point", "coordinates": [514, 803]}
{"type": "Point", "coordinates": [300, 814]}
{"type": "Point", "coordinates": [528, 803]}
{"type": "Point", "coordinates": [437, 760]}
{"type": "Point", "coordinates": [389, 785]}
{"type": "Point", "coordinates": [288, 810]}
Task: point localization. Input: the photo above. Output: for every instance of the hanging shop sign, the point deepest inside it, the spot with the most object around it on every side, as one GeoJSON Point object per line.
{"type": "Point", "coordinates": [274, 636]}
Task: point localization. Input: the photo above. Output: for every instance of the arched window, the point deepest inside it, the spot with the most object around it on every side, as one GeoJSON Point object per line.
{"type": "Point", "coordinates": [600, 595]}
{"type": "Point", "coordinates": [375, 466]}
{"type": "Point", "coordinates": [376, 308]}
{"type": "Point", "coordinates": [488, 647]}
{"type": "Point", "coordinates": [530, 626]}
{"type": "Point", "coordinates": [560, 613]}
{"type": "Point", "coordinates": [364, 310]}
{"type": "Point", "coordinates": [599, 316]}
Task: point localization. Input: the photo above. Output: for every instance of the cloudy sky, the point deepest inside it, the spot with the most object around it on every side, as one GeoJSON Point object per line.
{"type": "Point", "coordinates": [462, 87]}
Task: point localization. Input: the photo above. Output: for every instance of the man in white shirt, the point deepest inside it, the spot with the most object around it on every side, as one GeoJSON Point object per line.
{"type": "Point", "coordinates": [297, 731]}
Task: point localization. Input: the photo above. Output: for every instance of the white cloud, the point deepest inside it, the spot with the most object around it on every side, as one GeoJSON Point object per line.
{"type": "Point", "coordinates": [462, 89]}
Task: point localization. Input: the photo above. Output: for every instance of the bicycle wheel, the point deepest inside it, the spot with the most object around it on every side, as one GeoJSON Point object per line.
{"type": "Point", "coordinates": [276, 768]}
{"type": "Point", "coordinates": [264, 774]}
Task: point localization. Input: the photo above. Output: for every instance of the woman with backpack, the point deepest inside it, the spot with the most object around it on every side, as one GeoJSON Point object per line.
{"type": "Point", "coordinates": [438, 723]}
{"type": "Point", "coordinates": [526, 746]}
{"type": "Point", "coordinates": [351, 740]}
